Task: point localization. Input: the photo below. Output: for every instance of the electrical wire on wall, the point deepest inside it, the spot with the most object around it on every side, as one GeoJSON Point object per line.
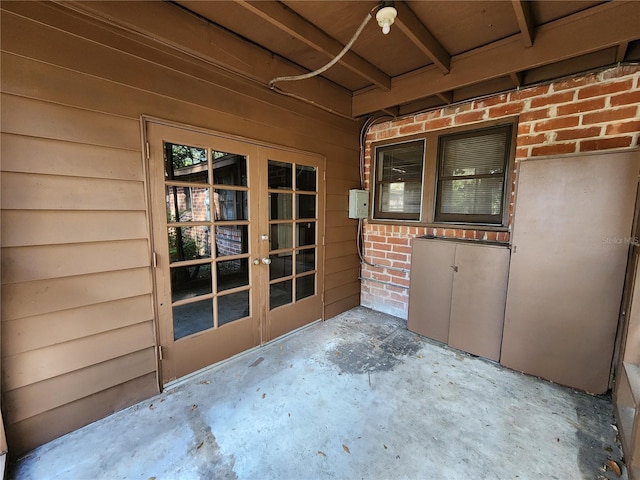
{"type": "Point", "coordinates": [360, 236]}
{"type": "Point", "coordinates": [291, 78]}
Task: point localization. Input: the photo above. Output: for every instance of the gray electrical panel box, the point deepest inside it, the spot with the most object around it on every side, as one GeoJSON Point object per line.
{"type": "Point", "coordinates": [358, 203]}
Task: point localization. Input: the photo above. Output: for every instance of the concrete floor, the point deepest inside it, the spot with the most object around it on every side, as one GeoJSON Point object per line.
{"type": "Point", "coordinates": [355, 397]}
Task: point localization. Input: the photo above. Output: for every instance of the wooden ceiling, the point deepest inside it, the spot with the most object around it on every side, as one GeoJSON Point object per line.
{"type": "Point", "coordinates": [437, 52]}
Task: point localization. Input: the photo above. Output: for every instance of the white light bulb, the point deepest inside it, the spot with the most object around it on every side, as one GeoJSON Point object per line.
{"type": "Point", "coordinates": [386, 28]}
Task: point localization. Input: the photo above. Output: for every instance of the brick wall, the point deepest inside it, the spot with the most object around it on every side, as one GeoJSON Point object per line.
{"type": "Point", "coordinates": [598, 111]}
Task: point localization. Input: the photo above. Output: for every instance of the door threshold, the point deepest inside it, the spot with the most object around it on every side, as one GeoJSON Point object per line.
{"type": "Point", "coordinates": [190, 376]}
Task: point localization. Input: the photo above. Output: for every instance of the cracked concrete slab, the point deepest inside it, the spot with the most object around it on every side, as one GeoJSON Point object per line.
{"type": "Point", "coordinates": [357, 396]}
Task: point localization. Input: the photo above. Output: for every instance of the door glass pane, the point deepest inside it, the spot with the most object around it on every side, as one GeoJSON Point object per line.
{"type": "Point", "coordinates": [189, 243]}
{"type": "Point", "coordinates": [305, 260]}
{"type": "Point", "coordinates": [233, 307]}
{"type": "Point", "coordinates": [306, 234]}
{"type": "Point", "coordinates": [281, 265]}
{"type": "Point", "coordinates": [230, 204]}
{"type": "Point", "coordinates": [188, 282]}
{"type": "Point", "coordinates": [280, 175]}
{"type": "Point", "coordinates": [305, 178]}
{"type": "Point", "coordinates": [232, 274]}
{"type": "Point", "coordinates": [187, 204]}
{"type": "Point", "coordinates": [185, 163]}
{"type": "Point", "coordinates": [229, 169]}
{"type": "Point", "coordinates": [280, 206]}
{"type": "Point", "coordinates": [280, 294]}
{"type": "Point", "coordinates": [281, 236]}
{"type": "Point", "coordinates": [305, 286]}
{"type": "Point", "coordinates": [306, 206]}
{"type": "Point", "coordinates": [232, 240]}
{"type": "Point", "coordinates": [192, 318]}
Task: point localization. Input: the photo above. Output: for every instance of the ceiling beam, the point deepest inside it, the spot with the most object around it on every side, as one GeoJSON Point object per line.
{"type": "Point", "coordinates": [285, 19]}
{"type": "Point", "coordinates": [622, 51]}
{"type": "Point", "coordinates": [409, 24]}
{"type": "Point", "coordinates": [517, 78]}
{"type": "Point", "coordinates": [597, 28]}
{"type": "Point", "coordinates": [446, 97]}
{"type": "Point", "coordinates": [522, 10]}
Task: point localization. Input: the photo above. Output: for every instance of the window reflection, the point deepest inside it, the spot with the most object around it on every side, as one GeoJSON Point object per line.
{"type": "Point", "coordinates": [305, 286]}
{"type": "Point", "coordinates": [229, 169]}
{"type": "Point", "coordinates": [280, 175]}
{"type": "Point", "coordinates": [233, 307]}
{"type": "Point", "coordinates": [281, 265]}
{"type": "Point", "coordinates": [189, 243]}
{"type": "Point", "coordinates": [192, 318]}
{"type": "Point", "coordinates": [305, 178]}
{"type": "Point", "coordinates": [191, 281]}
{"type": "Point", "coordinates": [185, 163]}
{"type": "Point", "coordinates": [280, 294]}
{"type": "Point", "coordinates": [280, 206]}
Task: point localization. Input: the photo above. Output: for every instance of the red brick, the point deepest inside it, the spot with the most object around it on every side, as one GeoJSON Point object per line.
{"type": "Point", "coordinates": [397, 256]}
{"type": "Point", "coordinates": [529, 92]}
{"type": "Point", "coordinates": [554, 99]}
{"type": "Point", "coordinates": [627, 127]}
{"type": "Point", "coordinates": [491, 101]}
{"type": "Point", "coordinates": [605, 89]}
{"type": "Point", "coordinates": [459, 233]}
{"type": "Point", "coordinates": [468, 117]}
{"type": "Point", "coordinates": [522, 152]}
{"type": "Point", "coordinates": [428, 116]}
{"type": "Point", "coordinates": [376, 254]}
{"type": "Point", "coordinates": [577, 133]}
{"type": "Point", "coordinates": [556, 123]}
{"type": "Point", "coordinates": [492, 236]}
{"type": "Point", "coordinates": [605, 143]}
{"type": "Point", "coordinates": [625, 98]}
{"type": "Point", "coordinates": [401, 265]}
{"type": "Point", "coordinates": [404, 121]}
{"type": "Point", "coordinates": [554, 149]}
{"type": "Point", "coordinates": [577, 107]}
{"type": "Point", "coordinates": [503, 236]}
{"type": "Point", "coordinates": [401, 281]}
{"type": "Point", "coordinates": [381, 277]}
{"type": "Point", "coordinates": [618, 72]}
{"type": "Point", "coordinates": [399, 297]}
{"type": "Point", "coordinates": [383, 247]}
{"type": "Point", "coordinates": [532, 115]}
{"type": "Point", "coordinates": [375, 238]}
{"type": "Point", "coordinates": [465, 107]}
{"type": "Point", "coordinates": [610, 115]}
{"type": "Point", "coordinates": [524, 128]}
{"type": "Point", "coordinates": [506, 109]}
{"type": "Point", "coordinates": [531, 139]}
{"type": "Point", "coordinates": [409, 129]}
{"type": "Point", "coordinates": [398, 241]}
{"type": "Point", "coordinates": [574, 83]}
{"type": "Point", "coordinates": [389, 133]}
{"type": "Point", "coordinates": [401, 249]}
{"type": "Point", "coordinates": [437, 123]}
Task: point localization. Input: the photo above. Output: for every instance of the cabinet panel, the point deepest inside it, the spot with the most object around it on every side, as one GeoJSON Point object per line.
{"type": "Point", "coordinates": [478, 298]}
{"type": "Point", "coordinates": [571, 240]}
{"type": "Point", "coordinates": [430, 294]}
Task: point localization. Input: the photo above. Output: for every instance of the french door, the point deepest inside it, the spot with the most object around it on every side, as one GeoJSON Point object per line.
{"type": "Point", "coordinates": [237, 239]}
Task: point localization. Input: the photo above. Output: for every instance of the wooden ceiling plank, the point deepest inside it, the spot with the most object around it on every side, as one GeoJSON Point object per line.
{"type": "Point", "coordinates": [409, 24]}
{"type": "Point", "coordinates": [622, 51]}
{"type": "Point", "coordinates": [171, 25]}
{"type": "Point", "coordinates": [280, 16]}
{"type": "Point", "coordinates": [522, 10]}
{"type": "Point", "coordinates": [600, 27]}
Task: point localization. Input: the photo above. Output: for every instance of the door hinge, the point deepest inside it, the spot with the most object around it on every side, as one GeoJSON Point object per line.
{"type": "Point", "coordinates": [147, 148]}
{"type": "Point", "coordinates": [160, 355]}
{"type": "Point", "coordinates": [154, 259]}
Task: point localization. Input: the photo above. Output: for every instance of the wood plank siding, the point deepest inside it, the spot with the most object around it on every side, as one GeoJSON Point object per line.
{"type": "Point", "coordinates": [78, 333]}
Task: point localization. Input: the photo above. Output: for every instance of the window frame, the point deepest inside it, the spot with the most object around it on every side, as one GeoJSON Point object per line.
{"type": "Point", "coordinates": [430, 176]}
{"type": "Point", "coordinates": [379, 183]}
{"type": "Point", "coordinates": [471, 219]}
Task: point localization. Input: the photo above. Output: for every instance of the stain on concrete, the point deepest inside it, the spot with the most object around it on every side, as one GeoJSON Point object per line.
{"type": "Point", "coordinates": [379, 351]}
{"type": "Point", "coordinates": [596, 445]}
{"type": "Point", "coordinates": [211, 463]}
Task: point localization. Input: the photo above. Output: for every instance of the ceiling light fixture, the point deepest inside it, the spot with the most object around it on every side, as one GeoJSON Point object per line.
{"type": "Point", "coordinates": [385, 18]}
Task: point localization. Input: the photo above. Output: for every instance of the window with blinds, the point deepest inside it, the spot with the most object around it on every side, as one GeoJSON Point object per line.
{"type": "Point", "coordinates": [472, 169]}
{"type": "Point", "coordinates": [399, 173]}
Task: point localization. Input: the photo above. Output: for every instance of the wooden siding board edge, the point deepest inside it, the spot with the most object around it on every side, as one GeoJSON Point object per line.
{"type": "Point", "coordinates": [338, 307]}
{"type": "Point", "coordinates": [47, 426]}
{"type": "Point", "coordinates": [34, 399]}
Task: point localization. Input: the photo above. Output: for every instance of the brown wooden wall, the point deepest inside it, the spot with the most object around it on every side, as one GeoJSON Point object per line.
{"type": "Point", "coordinates": [77, 310]}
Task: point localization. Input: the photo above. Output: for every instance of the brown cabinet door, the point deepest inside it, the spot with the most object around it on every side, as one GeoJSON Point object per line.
{"type": "Point", "coordinates": [432, 265]}
{"type": "Point", "coordinates": [570, 244]}
{"type": "Point", "coordinates": [478, 299]}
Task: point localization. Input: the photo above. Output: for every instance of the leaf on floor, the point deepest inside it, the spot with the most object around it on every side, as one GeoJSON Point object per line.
{"type": "Point", "coordinates": [204, 382]}
{"type": "Point", "coordinates": [200, 445]}
{"type": "Point", "coordinates": [194, 406]}
{"type": "Point", "coordinates": [345, 448]}
{"type": "Point", "coordinates": [320, 452]}
{"type": "Point", "coordinates": [264, 395]}
{"type": "Point", "coordinates": [614, 466]}
{"type": "Point", "coordinates": [257, 362]}
{"type": "Point", "coordinates": [152, 478]}
{"type": "Point", "coordinates": [385, 447]}
{"type": "Point", "coordinates": [151, 406]}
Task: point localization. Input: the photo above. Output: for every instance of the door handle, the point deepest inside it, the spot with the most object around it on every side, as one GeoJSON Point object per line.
{"type": "Point", "coordinates": [256, 261]}
{"type": "Point", "coordinates": [266, 260]}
